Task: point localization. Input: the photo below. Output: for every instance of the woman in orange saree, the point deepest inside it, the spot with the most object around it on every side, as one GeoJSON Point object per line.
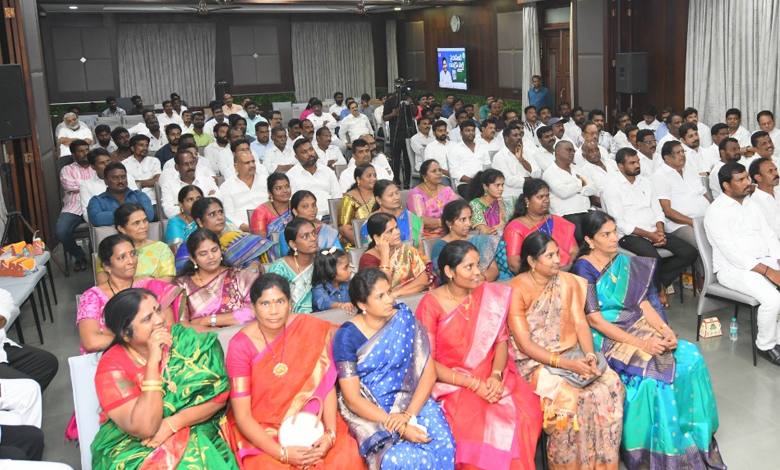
{"type": "Point", "coordinates": [278, 364]}
{"type": "Point", "coordinates": [494, 414]}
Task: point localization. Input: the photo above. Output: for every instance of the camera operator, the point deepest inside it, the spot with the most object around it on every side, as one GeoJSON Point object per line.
{"type": "Point", "coordinates": [399, 112]}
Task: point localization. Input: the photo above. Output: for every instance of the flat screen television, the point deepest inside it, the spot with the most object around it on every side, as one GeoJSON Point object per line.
{"type": "Point", "coordinates": [452, 68]}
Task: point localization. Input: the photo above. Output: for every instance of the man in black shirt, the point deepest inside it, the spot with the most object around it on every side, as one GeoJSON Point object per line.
{"type": "Point", "coordinates": [402, 127]}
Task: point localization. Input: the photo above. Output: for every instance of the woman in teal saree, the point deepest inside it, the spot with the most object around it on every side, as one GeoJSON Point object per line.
{"type": "Point", "coordinates": [670, 415]}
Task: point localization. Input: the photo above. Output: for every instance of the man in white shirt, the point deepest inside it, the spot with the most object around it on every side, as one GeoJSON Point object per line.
{"type": "Point", "coordinates": [98, 159]}
{"type": "Point", "coordinates": [646, 145]}
{"type": "Point", "coordinates": [327, 153]}
{"type": "Point", "coordinates": [247, 189]}
{"type": "Point", "coordinates": [225, 159]}
{"type": "Point", "coordinates": [489, 135]}
{"type": "Point", "coordinates": [766, 123]}
{"type": "Point", "coordinates": [466, 158]}
{"type": "Point", "coordinates": [570, 194]}
{"type": "Point", "coordinates": [281, 157]}
{"type": "Point", "coordinates": [461, 116]}
{"type": "Point", "coordinates": [230, 107]}
{"type": "Point", "coordinates": [338, 106]}
{"type": "Point", "coordinates": [718, 132]}
{"type": "Point", "coordinates": [216, 148]}
{"type": "Point", "coordinates": [649, 120]}
{"type": "Point", "coordinates": [513, 161]}
{"type": "Point", "coordinates": [763, 145]}
{"type": "Point", "coordinates": [531, 122]}
{"type": "Point", "coordinates": [558, 128]}
{"type": "Point", "coordinates": [590, 133]}
{"type": "Point", "coordinates": [156, 137]}
{"type": "Point", "coordinates": [185, 164]}
{"type": "Point", "coordinates": [420, 140]}
{"type": "Point", "coordinates": [598, 171]}
{"type": "Point", "coordinates": [202, 170]}
{"type": "Point", "coordinates": [141, 168]}
{"type": "Point", "coordinates": [140, 128]}
{"type": "Point", "coordinates": [573, 128]}
{"type": "Point", "coordinates": [621, 139]}
{"type": "Point", "coordinates": [681, 194]}
{"type": "Point", "coordinates": [545, 154]}
{"type": "Point", "coordinates": [103, 139]}
{"type": "Point", "coordinates": [604, 138]}
{"type": "Point", "coordinates": [673, 123]}
{"type": "Point", "coordinates": [263, 142]}
{"type": "Point", "coordinates": [640, 221]}
{"type": "Point", "coordinates": [253, 118]}
{"type": "Point", "coordinates": [187, 118]}
{"type": "Point", "coordinates": [745, 253]}
{"type": "Point", "coordinates": [763, 172]}
{"type": "Point", "coordinates": [361, 154]}
{"type": "Point", "coordinates": [378, 159]}
{"type": "Point", "coordinates": [218, 118]}
{"type": "Point", "coordinates": [734, 121]}
{"type": "Point", "coordinates": [168, 116]}
{"type": "Point", "coordinates": [729, 152]}
{"type": "Point", "coordinates": [695, 159]}
{"type": "Point", "coordinates": [437, 150]}
{"type": "Point", "coordinates": [319, 179]}
{"type": "Point", "coordinates": [72, 130]}
{"type": "Point", "coordinates": [690, 114]}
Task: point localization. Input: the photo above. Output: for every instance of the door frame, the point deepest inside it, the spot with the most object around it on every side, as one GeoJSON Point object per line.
{"type": "Point", "coordinates": [556, 27]}
{"type": "Point", "coordinates": [572, 27]}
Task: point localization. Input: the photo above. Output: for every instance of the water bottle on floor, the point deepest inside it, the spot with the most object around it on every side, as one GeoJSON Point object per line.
{"type": "Point", "coordinates": [734, 329]}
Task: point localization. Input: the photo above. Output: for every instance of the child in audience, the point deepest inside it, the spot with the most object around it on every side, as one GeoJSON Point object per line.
{"type": "Point", "coordinates": [331, 281]}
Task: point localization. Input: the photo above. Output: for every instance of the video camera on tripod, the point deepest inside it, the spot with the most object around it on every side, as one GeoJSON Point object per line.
{"type": "Point", "coordinates": [403, 87]}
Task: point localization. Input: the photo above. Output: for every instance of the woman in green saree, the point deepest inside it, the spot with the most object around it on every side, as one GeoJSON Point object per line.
{"type": "Point", "coordinates": [162, 390]}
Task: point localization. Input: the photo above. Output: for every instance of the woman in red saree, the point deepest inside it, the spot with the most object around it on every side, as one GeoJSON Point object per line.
{"type": "Point", "coordinates": [277, 364]}
{"type": "Point", "coordinates": [494, 414]}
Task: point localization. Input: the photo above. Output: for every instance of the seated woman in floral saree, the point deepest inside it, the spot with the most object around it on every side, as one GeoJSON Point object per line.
{"type": "Point", "coordinates": [489, 209]}
{"type": "Point", "coordinates": [162, 391]}
{"type": "Point", "coordinates": [427, 199]}
{"type": "Point", "coordinates": [388, 200]}
{"type": "Point", "coordinates": [584, 421]}
{"type": "Point", "coordinates": [357, 203]}
{"type": "Point", "coordinates": [263, 395]}
{"type": "Point", "coordinates": [298, 267]}
{"type": "Point", "coordinates": [304, 205]}
{"type": "Point", "coordinates": [494, 414]}
{"type": "Point", "coordinates": [273, 216]}
{"type": "Point", "coordinates": [670, 414]}
{"type": "Point", "coordinates": [385, 381]}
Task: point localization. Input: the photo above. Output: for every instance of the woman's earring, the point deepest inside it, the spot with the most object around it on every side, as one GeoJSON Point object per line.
{"type": "Point", "coordinates": [486, 192]}
{"type": "Point", "coordinates": [364, 312]}
{"type": "Point", "coordinates": [195, 265]}
{"type": "Point", "coordinates": [590, 245]}
{"type": "Point", "coordinates": [295, 251]}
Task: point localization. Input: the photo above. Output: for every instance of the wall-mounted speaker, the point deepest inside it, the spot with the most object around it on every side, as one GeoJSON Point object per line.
{"type": "Point", "coordinates": [14, 114]}
{"type": "Point", "coordinates": [632, 72]}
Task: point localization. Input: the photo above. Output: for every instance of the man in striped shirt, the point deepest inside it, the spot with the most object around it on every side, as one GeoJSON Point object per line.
{"type": "Point", "coordinates": [71, 217]}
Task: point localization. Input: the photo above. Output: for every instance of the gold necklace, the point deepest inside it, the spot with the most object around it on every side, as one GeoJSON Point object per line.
{"type": "Point", "coordinates": [458, 304]}
{"type": "Point", "coordinates": [601, 267]}
{"type": "Point", "coordinates": [166, 372]}
{"type": "Point", "coordinates": [209, 289]}
{"type": "Point", "coordinates": [534, 281]}
{"type": "Point", "coordinates": [280, 369]}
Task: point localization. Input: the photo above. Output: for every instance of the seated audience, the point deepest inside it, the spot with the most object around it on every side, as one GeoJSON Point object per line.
{"type": "Point", "coordinates": [590, 133]}
{"type": "Point", "coordinates": [646, 146]}
{"type": "Point", "coordinates": [763, 145]}
{"type": "Point", "coordinates": [544, 156]}
{"type": "Point", "coordinates": [202, 138]}
{"type": "Point", "coordinates": [180, 227]}
{"type": "Point", "coordinates": [71, 215]}
{"type": "Point", "coordinates": [168, 151]}
{"type": "Point", "coordinates": [216, 149]}
{"type": "Point", "coordinates": [217, 293]}
{"type": "Point", "coordinates": [143, 418]}
{"type": "Point", "coordinates": [72, 131]}
{"type": "Point", "coordinates": [247, 189]}
{"type": "Point", "coordinates": [640, 223]}
{"type": "Point", "coordinates": [427, 199]}
{"type": "Point", "coordinates": [734, 121]}
{"type": "Point", "coordinates": [354, 124]}
{"type": "Point", "coordinates": [385, 397]}
{"type": "Point", "coordinates": [728, 149]}
{"type": "Point", "coordinates": [273, 215]}
{"type": "Point", "coordinates": [620, 139]}
{"type": "Point", "coordinates": [98, 159]}
{"type": "Point", "coordinates": [573, 128]}
{"type": "Point", "coordinates": [763, 173]}
{"type": "Point", "coordinates": [308, 175]}
{"type": "Point", "coordinates": [718, 132]}
{"type": "Point", "coordinates": [554, 345]}
{"type": "Point", "coordinates": [597, 170]}
{"type": "Point", "coordinates": [186, 175]}
{"type": "Point", "coordinates": [456, 219]}
{"type": "Point", "coordinates": [141, 168]}
{"type": "Point", "coordinates": [169, 116]}
{"type": "Point", "coordinates": [438, 149]}
{"type": "Point", "coordinates": [217, 119]}
{"type": "Point", "coordinates": [668, 387]}
{"type": "Point", "coordinates": [281, 156]}
{"type": "Point", "coordinates": [101, 207]}
{"type": "Point", "coordinates": [154, 259]}
{"type": "Point", "coordinates": [388, 200]}
{"type": "Point", "coordinates": [141, 128]}
{"type": "Point", "coordinates": [491, 409]}
{"type": "Point", "coordinates": [297, 268]}
{"type": "Point", "coordinates": [745, 253]}
{"type": "Point", "coordinates": [121, 137]}
{"type": "Point", "coordinates": [409, 271]}
{"type": "Point", "coordinates": [766, 122]}
{"type": "Point", "coordinates": [673, 123]}
{"type": "Point", "coordinates": [152, 131]}
{"type": "Point", "coordinates": [304, 204]}
{"type": "Point", "coordinates": [242, 250]}
{"type": "Point", "coordinates": [571, 195]}
{"type": "Point", "coordinates": [490, 136]}
{"type": "Point", "coordinates": [103, 139]}
{"type": "Point", "coordinates": [327, 153]}
{"type": "Point", "coordinates": [489, 208]}
{"type": "Point", "coordinates": [649, 118]}
{"type": "Point", "coordinates": [421, 140]}
{"type": "Point", "coordinates": [361, 154]}
{"type": "Point", "coordinates": [330, 279]}
{"type": "Point", "coordinates": [532, 214]}
{"type": "Point", "coordinates": [112, 110]}
{"type": "Point", "coordinates": [467, 157]}
{"type": "Point", "coordinates": [258, 407]}
{"type": "Point", "coordinates": [514, 163]}
{"type": "Point", "coordinates": [357, 203]}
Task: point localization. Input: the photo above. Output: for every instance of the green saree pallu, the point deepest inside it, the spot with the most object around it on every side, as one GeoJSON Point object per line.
{"type": "Point", "coordinates": [195, 374]}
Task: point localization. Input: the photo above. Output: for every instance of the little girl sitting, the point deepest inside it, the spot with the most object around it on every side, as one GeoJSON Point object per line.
{"type": "Point", "coordinates": [330, 281]}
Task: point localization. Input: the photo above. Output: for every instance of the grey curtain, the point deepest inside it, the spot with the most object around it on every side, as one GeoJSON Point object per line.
{"type": "Point", "coordinates": [732, 58]}
{"type": "Point", "coordinates": [392, 53]}
{"type": "Point", "coordinates": [158, 59]}
{"type": "Point", "coordinates": [329, 57]}
{"type": "Point", "coordinates": [531, 60]}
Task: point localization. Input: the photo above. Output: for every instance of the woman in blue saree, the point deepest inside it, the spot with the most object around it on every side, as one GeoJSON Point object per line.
{"type": "Point", "coordinates": [386, 378]}
{"type": "Point", "coordinates": [304, 204]}
{"type": "Point", "coordinates": [388, 199]}
{"type": "Point", "coordinates": [670, 415]}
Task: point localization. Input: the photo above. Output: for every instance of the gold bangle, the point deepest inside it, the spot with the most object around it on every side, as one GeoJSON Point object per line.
{"type": "Point", "coordinates": [284, 457]}
{"type": "Point", "coordinates": [403, 431]}
{"type": "Point", "coordinates": [408, 415]}
{"type": "Point", "coordinates": [499, 373]}
{"type": "Point", "coordinates": [170, 426]}
{"type": "Point", "coordinates": [453, 378]}
{"type": "Point", "coordinates": [149, 383]}
{"type": "Point", "coordinates": [476, 387]}
{"type": "Point", "coordinates": [155, 388]}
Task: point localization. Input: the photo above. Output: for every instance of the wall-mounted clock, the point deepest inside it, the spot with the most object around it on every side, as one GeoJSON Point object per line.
{"type": "Point", "coordinates": [455, 23]}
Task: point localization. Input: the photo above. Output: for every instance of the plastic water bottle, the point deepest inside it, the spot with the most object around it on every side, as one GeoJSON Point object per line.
{"type": "Point", "coordinates": [734, 329]}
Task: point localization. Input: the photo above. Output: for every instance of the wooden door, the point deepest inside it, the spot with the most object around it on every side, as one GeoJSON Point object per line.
{"type": "Point", "coordinates": [556, 62]}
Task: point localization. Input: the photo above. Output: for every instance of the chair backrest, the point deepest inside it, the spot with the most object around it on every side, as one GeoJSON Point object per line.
{"type": "Point", "coordinates": [158, 201]}
{"type": "Point", "coordinates": [163, 228]}
{"type": "Point", "coordinates": [357, 224]}
{"type": "Point", "coordinates": [226, 334]}
{"type": "Point", "coordinates": [131, 120]}
{"type": "Point", "coordinates": [85, 402]}
{"type": "Point", "coordinates": [705, 181]}
{"type": "Point", "coordinates": [276, 238]}
{"type": "Point", "coordinates": [492, 153]}
{"type": "Point", "coordinates": [339, 169]}
{"type": "Point", "coordinates": [334, 205]}
{"type": "Point", "coordinates": [427, 246]}
{"type": "Point", "coordinates": [100, 233]}
{"type": "Point", "coordinates": [334, 315]}
{"type": "Point", "coordinates": [354, 257]}
{"type": "Point", "coordinates": [405, 194]}
{"type": "Point", "coordinates": [94, 267]}
{"type": "Point", "coordinates": [411, 301]}
{"type": "Point", "coordinates": [220, 180]}
{"type": "Point", "coordinates": [156, 231]}
{"type": "Point", "coordinates": [266, 267]}
{"type": "Point", "coordinates": [281, 104]}
{"type": "Point", "coordinates": [705, 251]}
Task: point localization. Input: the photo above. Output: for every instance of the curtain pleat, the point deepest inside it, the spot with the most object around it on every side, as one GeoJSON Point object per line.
{"type": "Point", "coordinates": [158, 59]}
{"type": "Point", "coordinates": [329, 57]}
{"type": "Point", "coordinates": [392, 53]}
{"type": "Point", "coordinates": [531, 60]}
{"type": "Point", "coordinates": [732, 59]}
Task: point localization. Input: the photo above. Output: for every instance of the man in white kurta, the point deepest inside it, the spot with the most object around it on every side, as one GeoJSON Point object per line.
{"type": "Point", "coordinates": [246, 190]}
{"type": "Point", "coordinates": [309, 175]}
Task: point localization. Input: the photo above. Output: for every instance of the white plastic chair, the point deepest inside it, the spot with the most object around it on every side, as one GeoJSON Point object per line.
{"type": "Point", "coordinates": [85, 402]}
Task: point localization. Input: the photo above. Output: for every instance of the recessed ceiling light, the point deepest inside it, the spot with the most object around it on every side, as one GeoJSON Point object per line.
{"type": "Point", "coordinates": [397, 8]}
{"type": "Point", "coordinates": [73, 7]}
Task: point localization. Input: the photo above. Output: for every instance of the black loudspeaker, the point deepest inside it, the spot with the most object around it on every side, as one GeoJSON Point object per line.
{"type": "Point", "coordinates": [14, 115]}
{"type": "Point", "coordinates": [220, 88]}
{"type": "Point", "coordinates": [632, 72]}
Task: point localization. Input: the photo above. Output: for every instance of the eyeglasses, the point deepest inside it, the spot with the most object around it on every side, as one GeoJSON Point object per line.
{"type": "Point", "coordinates": [649, 142]}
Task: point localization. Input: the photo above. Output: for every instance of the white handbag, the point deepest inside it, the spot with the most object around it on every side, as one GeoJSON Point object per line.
{"type": "Point", "coordinates": [302, 428]}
